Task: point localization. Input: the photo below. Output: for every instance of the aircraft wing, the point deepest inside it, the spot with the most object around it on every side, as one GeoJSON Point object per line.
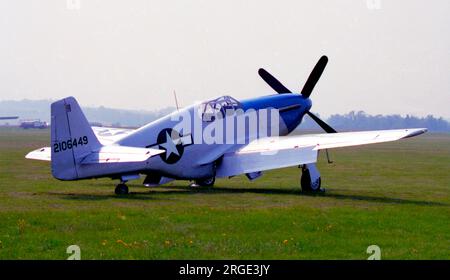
{"type": "Point", "coordinates": [278, 152]}
{"type": "Point", "coordinates": [108, 135]}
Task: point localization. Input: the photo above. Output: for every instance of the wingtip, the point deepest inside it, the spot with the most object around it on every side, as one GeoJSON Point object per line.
{"type": "Point", "coordinates": [415, 132]}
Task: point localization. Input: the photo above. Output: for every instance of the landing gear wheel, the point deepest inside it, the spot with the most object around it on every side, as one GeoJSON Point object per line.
{"type": "Point", "coordinates": [121, 189]}
{"type": "Point", "coordinates": [307, 185]}
{"type": "Point", "coordinates": [208, 182]}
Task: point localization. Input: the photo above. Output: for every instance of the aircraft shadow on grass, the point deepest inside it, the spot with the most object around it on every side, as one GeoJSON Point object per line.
{"type": "Point", "coordinates": [157, 193]}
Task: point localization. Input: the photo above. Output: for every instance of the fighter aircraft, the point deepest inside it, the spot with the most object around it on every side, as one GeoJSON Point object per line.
{"type": "Point", "coordinates": [164, 150]}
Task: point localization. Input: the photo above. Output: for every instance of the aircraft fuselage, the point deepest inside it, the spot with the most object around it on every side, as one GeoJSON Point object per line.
{"type": "Point", "coordinates": [189, 155]}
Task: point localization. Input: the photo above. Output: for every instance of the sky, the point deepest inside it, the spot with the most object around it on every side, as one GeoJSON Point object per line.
{"type": "Point", "coordinates": [385, 57]}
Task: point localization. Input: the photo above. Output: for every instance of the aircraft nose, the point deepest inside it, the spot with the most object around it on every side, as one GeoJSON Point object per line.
{"type": "Point", "coordinates": [306, 103]}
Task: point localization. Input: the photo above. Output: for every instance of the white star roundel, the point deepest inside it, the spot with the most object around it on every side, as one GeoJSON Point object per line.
{"type": "Point", "coordinates": [173, 143]}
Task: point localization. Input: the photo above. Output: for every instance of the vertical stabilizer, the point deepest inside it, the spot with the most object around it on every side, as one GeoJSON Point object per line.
{"type": "Point", "coordinates": [72, 138]}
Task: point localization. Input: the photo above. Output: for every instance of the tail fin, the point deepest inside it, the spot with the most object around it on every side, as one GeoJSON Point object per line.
{"type": "Point", "coordinates": [72, 138]}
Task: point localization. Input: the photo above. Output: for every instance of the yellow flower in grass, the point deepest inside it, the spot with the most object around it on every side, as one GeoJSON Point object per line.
{"type": "Point", "coordinates": [123, 243]}
{"type": "Point", "coordinates": [21, 225]}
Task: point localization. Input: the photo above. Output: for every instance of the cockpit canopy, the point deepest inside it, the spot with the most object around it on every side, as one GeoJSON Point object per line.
{"type": "Point", "coordinates": [219, 106]}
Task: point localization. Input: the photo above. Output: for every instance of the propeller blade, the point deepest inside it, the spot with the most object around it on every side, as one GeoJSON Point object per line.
{"type": "Point", "coordinates": [321, 123]}
{"type": "Point", "coordinates": [272, 81]}
{"type": "Point", "coordinates": [314, 76]}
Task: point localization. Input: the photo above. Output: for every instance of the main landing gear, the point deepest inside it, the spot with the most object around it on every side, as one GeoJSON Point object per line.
{"type": "Point", "coordinates": [310, 179]}
{"type": "Point", "coordinates": [121, 189]}
{"type": "Point", "coordinates": [207, 182]}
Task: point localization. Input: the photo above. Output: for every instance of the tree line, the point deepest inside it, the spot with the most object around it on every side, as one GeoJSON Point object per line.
{"type": "Point", "coordinates": [359, 120]}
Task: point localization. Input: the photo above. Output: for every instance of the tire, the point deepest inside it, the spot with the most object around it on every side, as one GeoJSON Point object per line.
{"type": "Point", "coordinates": [305, 182]}
{"type": "Point", "coordinates": [121, 189]}
{"type": "Point", "coordinates": [207, 182]}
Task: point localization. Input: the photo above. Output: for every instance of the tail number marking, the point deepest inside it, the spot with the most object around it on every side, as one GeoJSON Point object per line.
{"type": "Point", "coordinates": [70, 144]}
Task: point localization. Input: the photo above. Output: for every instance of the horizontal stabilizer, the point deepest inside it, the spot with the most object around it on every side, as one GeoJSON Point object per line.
{"type": "Point", "coordinates": [108, 135]}
{"type": "Point", "coordinates": [40, 154]}
{"type": "Point", "coordinates": [120, 154]}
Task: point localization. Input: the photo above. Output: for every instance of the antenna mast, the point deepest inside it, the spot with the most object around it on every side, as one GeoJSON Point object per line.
{"type": "Point", "coordinates": [176, 100]}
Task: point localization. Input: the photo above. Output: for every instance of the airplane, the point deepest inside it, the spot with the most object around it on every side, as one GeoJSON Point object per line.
{"type": "Point", "coordinates": [9, 118]}
{"type": "Point", "coordinates": [162, 152]}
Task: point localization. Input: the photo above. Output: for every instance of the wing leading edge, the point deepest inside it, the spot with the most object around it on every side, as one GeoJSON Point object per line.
{"type": "Point", "coordinates": [278, 152]}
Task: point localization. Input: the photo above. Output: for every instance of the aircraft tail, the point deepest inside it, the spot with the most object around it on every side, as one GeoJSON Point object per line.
{"type": "Point", "coordinates": [72, 138]}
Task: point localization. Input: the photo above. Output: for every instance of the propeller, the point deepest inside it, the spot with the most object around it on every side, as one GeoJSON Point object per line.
{"type": "Point", "coordinates": [310, 83]}
{"type": "Point", "coordinates": [273, 82]}
{"type": "Point", "coordinates": [322, 124]}
{"type": "Point", "coordinates": [314, 76]}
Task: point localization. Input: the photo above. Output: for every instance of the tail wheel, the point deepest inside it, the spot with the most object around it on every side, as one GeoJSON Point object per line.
{"type": "Point", "coordinates": [121, 189]}
{"type": "Point", "coordinates": [208, 182]}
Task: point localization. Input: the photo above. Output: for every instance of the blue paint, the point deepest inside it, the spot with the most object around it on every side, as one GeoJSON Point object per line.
{"type": "Point", "coordinates": [293, 114]}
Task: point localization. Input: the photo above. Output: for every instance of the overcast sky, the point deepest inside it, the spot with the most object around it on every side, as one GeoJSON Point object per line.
{"type": "Point", "coordinates": [385, 56]}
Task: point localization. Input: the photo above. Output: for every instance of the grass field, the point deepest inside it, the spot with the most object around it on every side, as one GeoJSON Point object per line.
{"type": "Point", "coordinates": [394, 195]}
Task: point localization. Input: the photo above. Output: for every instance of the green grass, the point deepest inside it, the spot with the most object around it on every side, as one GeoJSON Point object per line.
{"type": "Point", "coordinates": [395, 195]}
